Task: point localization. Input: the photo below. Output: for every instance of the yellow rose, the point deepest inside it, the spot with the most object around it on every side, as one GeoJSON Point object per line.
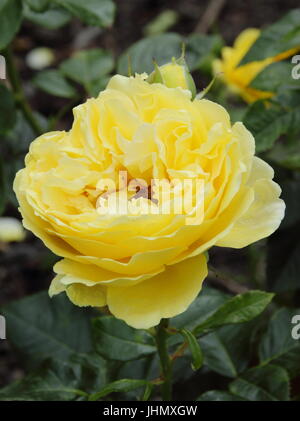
{"type": "Point", "coordinates": [144, 267]}
{"type": "Point", "coordinates": [238, 78]}
{"type": "Point", "coordinates": [11, 230]}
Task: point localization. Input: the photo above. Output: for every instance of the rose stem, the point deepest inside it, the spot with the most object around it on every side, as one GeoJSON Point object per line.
{"type": "Point", "coordinates": [165, 361]}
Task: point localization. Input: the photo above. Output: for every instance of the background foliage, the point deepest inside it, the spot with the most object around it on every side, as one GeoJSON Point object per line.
{"type": "Point", "coordinates": [239, 346]}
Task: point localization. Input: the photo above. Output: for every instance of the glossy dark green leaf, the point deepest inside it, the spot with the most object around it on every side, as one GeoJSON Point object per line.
{"type": "Point", "coordinates": [54, 83]}
{"type": "Point", "coordinates": [278, 346]}
{"type": "Point", "coordinates": [267, 124]}
{"type": "Point", "coordinates": [207, 302]}
{"type": "Point", "coordinates": [91, 369]}
{"type": "Point", "coordinates": [96, 86]}
{"type": "Point", "coordinates": [194, 347]}
{"type": "Point", "coordinates": [161, 48]}
{"type": "Point", "coordinates": [277, 38]}
{"type": "Point", "coordinates": [285, 154]}
{"type": "Point", "coordinates": [227, 350]}
{"type": "Point", "coordinates": [115, 340]}
{"type": "Point", "coordinates": [274, 76]}
{"type": "Point", "coordinates": [219, 395]}
{"type": "Point", "coordinates": [17, 142]}
{"type": "Point", "coordinates": [7, 109]}
{"type": "Point", "coordinates": [87, 67]}
{"type": "Point", "coordinates": [40, 327]}
{"type": "Point", "coordinates": [19, 138]}
{"type": "Point", "coordinates": [124, 385]}
{"type": "Point", "coordinates": [53, 18]}
{"type": "Point", "coordinates": [269, 383]}
{"type": "Point", "coordinates": [239, 309]}
{"type": "Point", "coordinates": [92, 12]}
{"type": "Point", "coordinates": [51, 382]}
{"type": "Point", "coordinates": [201, 49]}
{"type": "Point", "coordinates": [38, 5]}
{"type": "Point", "coordinates": [10, 20]}
{"type": "Point", "coordinates": [143, 368]}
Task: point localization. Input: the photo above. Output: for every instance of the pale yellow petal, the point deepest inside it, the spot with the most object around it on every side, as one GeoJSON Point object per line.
{"type": "Point", "coordinates": [56, 287]}
{"type": "Point", "coordinates": [83, 296]}
{"type": "Point", "coordinates": [165, 295]}
{"type": "Point", "coordinates": [264, 215]}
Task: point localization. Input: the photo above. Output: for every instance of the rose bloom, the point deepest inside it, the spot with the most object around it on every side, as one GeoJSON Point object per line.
{"type": "Point", "coordinates": [11, 230]}
{"type": "Point", "coordinates": [238, 78]}
{"type": "Point", "coordinates": [144, 267]}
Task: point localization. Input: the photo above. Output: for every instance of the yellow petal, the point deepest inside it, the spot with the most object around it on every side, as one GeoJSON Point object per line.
{"type": "Point", "coordinates": [264, 215]}
{"type": "Point", "coordinates": [165, 295]}
{"type": "Point", "coordinates": [90, 275]}
{"type": "Point", "coordinates": [84, 296]}
{"type": "Point", "coordinates": [56, 286]}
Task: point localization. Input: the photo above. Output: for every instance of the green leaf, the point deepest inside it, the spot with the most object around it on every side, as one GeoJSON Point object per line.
{"type": "Point", "coordinates": [227, 350]}
{"type": "Point", "coordinates": [208, 301]}
{"type": "Point", "coordinates": [52, 18]}
{"type": "Point", "coordinates": [112, 335]}
{"type": "Point", "coordinates": [286, 155]}
{"type": "Point", "coordinates": [7, 110]}
{"type": "Point", "coordinates": [99, 85]}
{"type": "Point", "coordinates": [88, 67]}
{"type": "Point", "coordinates": [10, 20]}
{"type": "Point", "coordinates": [275, 76]}
{"type": "Point", "coordinates": [239, 309]}
{"type": "Point", "coordinates": [161, 23]}
{"type": "Point", "coordinates": [267, 124]}
{"type": "Point", "coordinates": [51, 382]}
{"type": "Point", "coordinates": [54, 83]}
{"type": "Point", "coordinates": [19, 138]}
{"type": "Point", "coordinates": [277, 38]}
{"type": "Point", "coordinates": [124, 385]}
{"type": "Point", "coordinates": [92, 12]}
{"type": "Point", "coordinates": [40, 327]}
{"type": "Point", "coordinates": [270, 383]}
{"type": "Point", "coordinates": [159, 47]}
{"type": "Point", "coordinates": [201, 49]}
{"type": "Point", "coordinates": [38, 5]}
{"type": "Point", "coordinates": [147, 392]}
{"type": "Point", "coordinates": [194, 347]}
{"type": "Point", "coordinates": [143, 368]}
{"type": "Point", "coordinates": [15, 144]}
{"type": "Point", "coordinates": [278, 346]}
{"type": "Point", "coordinates": [218, 395]}
{"type": "Point", "coordinates": [92, 371]}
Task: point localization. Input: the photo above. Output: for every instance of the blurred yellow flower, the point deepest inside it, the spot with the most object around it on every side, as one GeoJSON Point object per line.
{"type": "Point", "coordinates": [11, 230]}
{"type": "Point", "coordinates": [238, 78]}
{"type": "Point", "coordinates": [144, 267]}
